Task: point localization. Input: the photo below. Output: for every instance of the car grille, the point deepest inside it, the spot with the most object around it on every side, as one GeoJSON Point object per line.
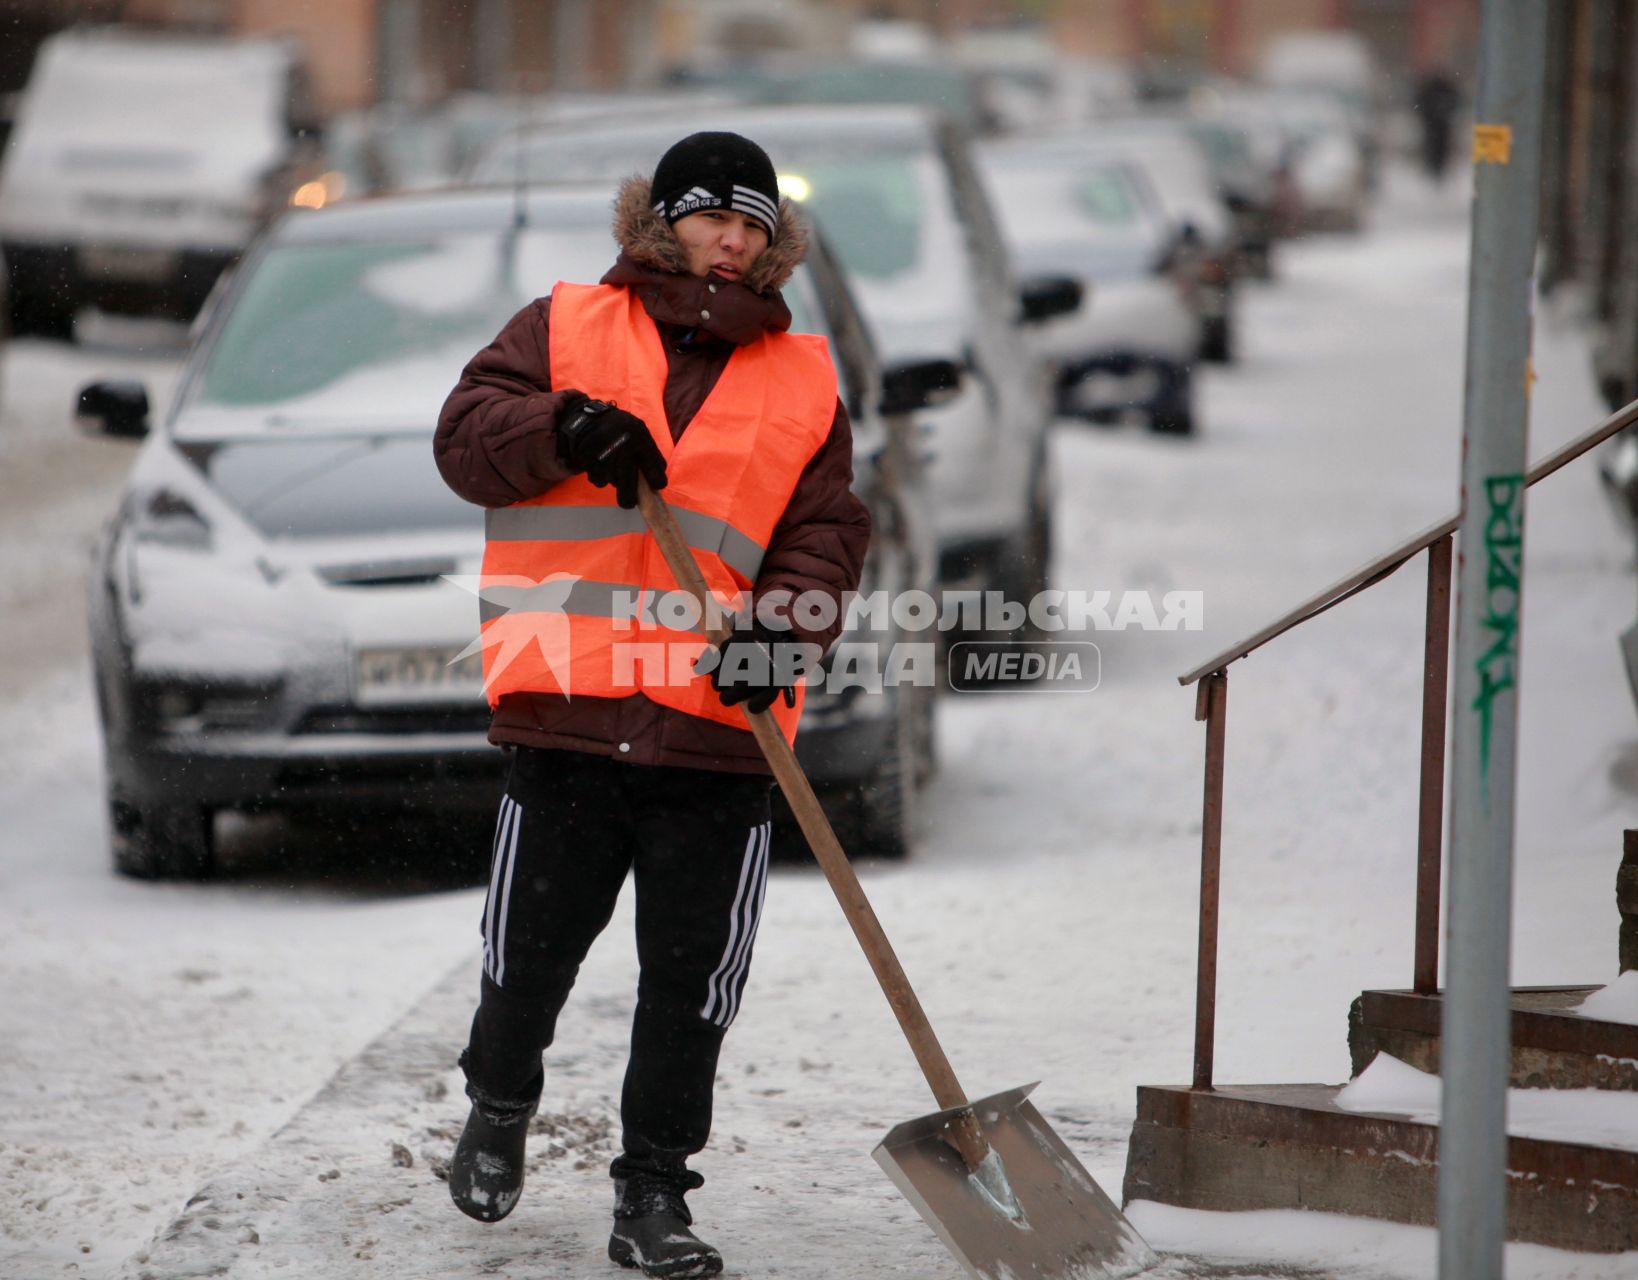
{"type": "Point", "coordinates": [395, 720]}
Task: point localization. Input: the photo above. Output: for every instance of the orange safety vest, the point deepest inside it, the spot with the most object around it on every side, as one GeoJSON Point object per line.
{"type": "Point", "coordinates": [562, 571]}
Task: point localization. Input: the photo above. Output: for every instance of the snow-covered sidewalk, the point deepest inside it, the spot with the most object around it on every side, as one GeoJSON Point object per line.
{"type": "Point", "coordinates": [170, 1035]}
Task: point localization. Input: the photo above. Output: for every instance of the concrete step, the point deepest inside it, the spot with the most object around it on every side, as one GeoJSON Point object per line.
{"type": "Point", "coordinates": [1291, 1147]}
{"type": "Point", "coordinates": [1553, 1047]}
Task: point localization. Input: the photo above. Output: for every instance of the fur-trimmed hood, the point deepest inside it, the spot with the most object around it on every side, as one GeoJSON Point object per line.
{"type": "Point", "coordinates": [646, 238]}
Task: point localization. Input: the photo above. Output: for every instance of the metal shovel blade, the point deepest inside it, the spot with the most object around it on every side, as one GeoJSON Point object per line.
{"type": "Point", "coordinates": [1046, 1220]}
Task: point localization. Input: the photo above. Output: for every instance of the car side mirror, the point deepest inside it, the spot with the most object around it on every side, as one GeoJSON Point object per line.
{"type": "Point", "coordinates": [918, 385]}
{"type": "Point", "coordinates": [1048, 296]}
{"type": "Point", "coordinates": [116, 408]}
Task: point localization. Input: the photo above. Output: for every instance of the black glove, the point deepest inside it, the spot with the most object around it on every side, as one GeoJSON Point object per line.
{"type": "Point", "coordinates": [752, 667]}
{"type": "Point", "coordinates": [612, 447]}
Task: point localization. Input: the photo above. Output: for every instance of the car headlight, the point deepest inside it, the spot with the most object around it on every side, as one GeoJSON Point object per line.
{"type": "Point", "coordinates": [325, 189]}
{"type": "Point", "coordinates": [197, 705]}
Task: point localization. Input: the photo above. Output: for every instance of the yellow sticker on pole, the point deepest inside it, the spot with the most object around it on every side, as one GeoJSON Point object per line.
{"type": "Point", "coordinates": [1492, 144]}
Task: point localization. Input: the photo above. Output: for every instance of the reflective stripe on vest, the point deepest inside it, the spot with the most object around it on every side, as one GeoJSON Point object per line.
{"type": "Point", "coordinates": [581, 524]}
{"type": "Point", "coordinates": [562, 572]}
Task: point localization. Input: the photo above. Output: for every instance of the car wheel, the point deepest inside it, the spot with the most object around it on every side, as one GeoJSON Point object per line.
{"type": "Point", "coordinates": [1217, 339]}
{"type": "Point", "coordinates": [1177, 421]}
{"type": "Point", "coordinates": [162, 841]}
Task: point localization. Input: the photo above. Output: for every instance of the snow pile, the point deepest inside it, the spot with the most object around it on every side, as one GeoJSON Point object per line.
{"type": "Point", "coordinates": [1617, 1002]}
{"type": "Point", "coordinates": [1391, 1087]}
{"type": "Point", "coordinates": [1597, 1117]}
{"type": "Point", "coordinates": [1292, 1243]}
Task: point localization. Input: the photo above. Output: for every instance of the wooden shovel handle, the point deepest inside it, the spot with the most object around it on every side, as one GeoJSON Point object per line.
{"type": "Point", "coordinates": [965, 1135]}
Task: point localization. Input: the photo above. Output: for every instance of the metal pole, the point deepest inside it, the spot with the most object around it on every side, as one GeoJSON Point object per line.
{"type": "Point", "coordinates": [1475, 1039]}
{"type": "Point", "coordinates": [1211, 705]}
{"type": "Point", "coordinates": [1431, 808]}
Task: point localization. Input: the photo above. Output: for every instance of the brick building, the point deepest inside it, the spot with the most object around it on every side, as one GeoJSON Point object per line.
{"type": "Point", "coordinates": [1228, 35]}
{"type": "Point", "coordinates": [365, 51]}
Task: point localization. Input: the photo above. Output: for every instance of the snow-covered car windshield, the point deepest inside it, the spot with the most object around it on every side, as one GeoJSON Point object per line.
{"type": "Point", "coordinates": [1177, 172]}
{"type": "Point", "coordinates": [341, 336]}
{"type": "Point", "coordinates": [334, 487]}
{"type": "Point", "coordinates": [1060, 214]}
{"type": "Point", "coordinates": [1038, 197]}
{"type": "Point", "coordinates": [889, 219]}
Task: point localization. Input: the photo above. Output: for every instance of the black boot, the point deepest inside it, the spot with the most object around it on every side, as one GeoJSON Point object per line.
{"type": "Point", "coordinates": [651, 1225]}
{"type": "Point", "coordinates": [486, 1174]}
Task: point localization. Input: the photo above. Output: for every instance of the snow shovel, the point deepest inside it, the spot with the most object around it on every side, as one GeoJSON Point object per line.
{"type": "Point", "coordinates": [991, 1178]}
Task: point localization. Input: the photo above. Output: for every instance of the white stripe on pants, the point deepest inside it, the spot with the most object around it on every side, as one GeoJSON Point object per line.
{"type": "Point", "coordinates": [499, 901]}
{"type": "Point", "coordinates": [728, 981]}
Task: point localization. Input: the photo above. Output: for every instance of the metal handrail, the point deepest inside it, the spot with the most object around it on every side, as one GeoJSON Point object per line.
{"type": "Point", "coordinates": [1211, 706]}
{"type": "Point", "coordinates": [1376, 570]}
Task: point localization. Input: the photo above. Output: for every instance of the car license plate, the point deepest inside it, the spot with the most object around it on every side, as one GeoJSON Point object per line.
{"type": "Point", "coordinates": [417, 674]}
{"type": "Point", "coordinates": [146, 265]}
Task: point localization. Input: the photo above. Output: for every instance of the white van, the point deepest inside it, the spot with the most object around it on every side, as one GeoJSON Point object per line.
{"type": "Point", "coordinates": [141, 165]}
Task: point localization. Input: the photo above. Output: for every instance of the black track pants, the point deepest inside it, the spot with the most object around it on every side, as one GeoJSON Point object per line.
{"type": "Point", "coordinates": [570, 828]}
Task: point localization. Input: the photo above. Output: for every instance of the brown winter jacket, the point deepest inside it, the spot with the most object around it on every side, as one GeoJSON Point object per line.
{"type": "Point", "coordinates": [494, 446]}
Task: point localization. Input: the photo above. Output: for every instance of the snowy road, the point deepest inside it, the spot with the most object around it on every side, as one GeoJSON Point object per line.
{"type": "Point", "coordinates": [153, 1038]}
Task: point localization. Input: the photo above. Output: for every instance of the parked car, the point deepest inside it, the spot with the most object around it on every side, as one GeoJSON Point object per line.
{"type": "Point", "coordinates": [273, 623]}
{"type": "Point", "coordinates": [1067, 209]}
{"type": "Point", "coordinates": [896, 191]}
{"type": "Point", "coordinates": [1252, 193]}
{"type": "Point", "coordinates": [1338, 66]}
{"type": "Point", "coordinates": [1176, 166]}
{"type": "Point", "coordinates": [142, 165]}
{"type": "Point", "coordinates": [1336, 62]}
{"type": "Point", "coordinates": [1314, 146]}
{"type": "Point", "coordinates": [1329, 164]}
{"type": "Point", "coordinates": [1270, 145]}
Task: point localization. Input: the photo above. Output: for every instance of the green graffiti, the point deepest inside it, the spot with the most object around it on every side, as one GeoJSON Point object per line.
{"type": "Point", "coordinates": [1504, 567]}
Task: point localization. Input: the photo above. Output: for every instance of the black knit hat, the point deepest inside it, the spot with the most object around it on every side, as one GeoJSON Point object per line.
{"type": "Point", "coordinates": [717, 171]}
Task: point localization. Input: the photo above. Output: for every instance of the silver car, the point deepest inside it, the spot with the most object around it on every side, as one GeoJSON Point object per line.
{"type": "Point", "coordinates": [142, 165]}
{"type": "Point", "coordinates": [277, 610]}
{"type": "Point", "coordinates": [1131, 346]}
{"type": "Point", "coordinates": [901, 201]}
